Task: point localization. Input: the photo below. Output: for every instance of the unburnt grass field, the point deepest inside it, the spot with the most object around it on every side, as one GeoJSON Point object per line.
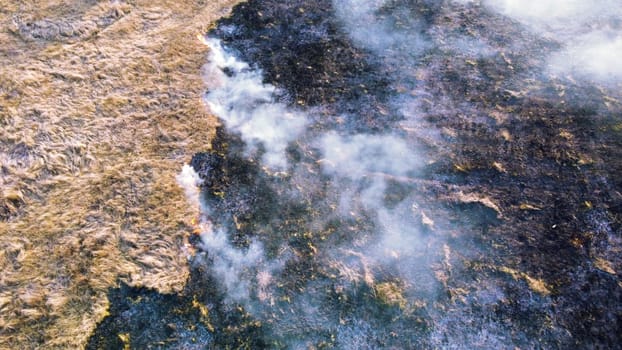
{"type": "Point", "coordinates": [99, 109]}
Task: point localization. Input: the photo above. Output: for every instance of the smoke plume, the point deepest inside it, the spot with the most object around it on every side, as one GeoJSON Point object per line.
{"type": "Point", "coordinates": [249, 107]}
{"type": "Point", "coordinates": [590, 33]}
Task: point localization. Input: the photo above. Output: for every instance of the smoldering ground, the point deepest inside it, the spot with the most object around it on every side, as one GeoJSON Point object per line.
{"type": "Point", "coordinates": [422, 182]}
{"type": "Point", "coordinates": [353, 171]}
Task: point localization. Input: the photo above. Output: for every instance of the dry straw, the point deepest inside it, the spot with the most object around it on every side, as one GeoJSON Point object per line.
{"type": "Point", "coordinates": [100, 106]}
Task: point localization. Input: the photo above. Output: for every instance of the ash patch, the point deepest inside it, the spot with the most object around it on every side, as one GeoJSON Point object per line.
{"type": "Point", "coordinates": [513, 151]}
{"type": "Point", "coordinates": [141, 318]}
{"type": "Point", "coordinates": [145, 319]}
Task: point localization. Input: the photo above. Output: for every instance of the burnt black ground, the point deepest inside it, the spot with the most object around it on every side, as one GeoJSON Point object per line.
{"type": "Point", "coordinates": [558, 195]}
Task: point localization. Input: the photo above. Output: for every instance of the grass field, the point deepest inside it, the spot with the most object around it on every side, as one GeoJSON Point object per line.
{"type": "Point", "coordinates": [99, 109]}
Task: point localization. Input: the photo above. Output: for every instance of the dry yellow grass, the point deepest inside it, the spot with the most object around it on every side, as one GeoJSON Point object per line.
{"type": "Point", "coordinates": [99, 108]}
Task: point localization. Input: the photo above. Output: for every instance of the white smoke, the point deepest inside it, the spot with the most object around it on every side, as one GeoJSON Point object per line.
{"type": "Point", "coordinates": [366, 28]}
{"type": "Point", "coordinates": [248, 107]}
{"type": "Point", "coordinates": [370, 161]}
{"type": "Point", "coordinates": [595, 55]}
{"type": "Point", "coordinates": [559, 18]}
{"type": "Point", "coordinates": [361, 167]}
{"type": "Point", "coordinates": [234, 268]}
{"type": "Point", "coordinates": [590, 33]}
{"type": "Point", "coordinates": [361, 14]}
{"type": "Point", "coordinates": [190, 181]}
{"type": "Point", "coordinates": [363, 155]}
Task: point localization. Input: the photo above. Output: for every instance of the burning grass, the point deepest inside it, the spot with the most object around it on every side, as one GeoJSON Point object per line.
{"type": "Point", "coordinates": [99, 108]}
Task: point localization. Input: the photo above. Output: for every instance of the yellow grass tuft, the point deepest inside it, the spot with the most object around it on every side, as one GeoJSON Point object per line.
{"type": "Point", "coordinates": [535, 284]}
{"type": "Point", "coordinates": [390, 294]}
